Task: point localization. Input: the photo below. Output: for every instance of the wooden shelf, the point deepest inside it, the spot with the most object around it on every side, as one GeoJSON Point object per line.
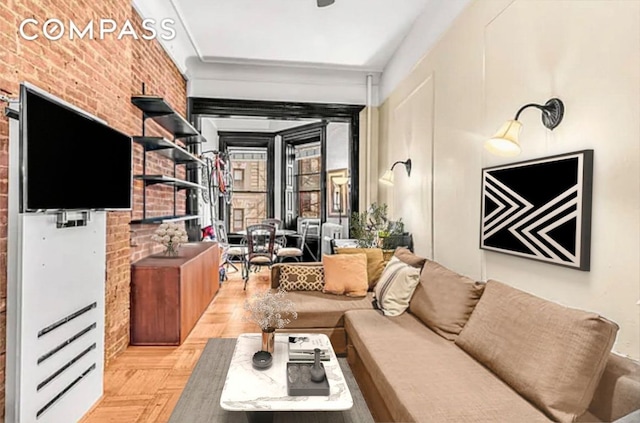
{"type": "Point", "coordinates": [157, 109]}
{"type": "Point", "coordinates": [160, 111]}
{"type": "Point", "coordinates": [168, 149]}
{"type": "Point", "coordinates": [168, 180]}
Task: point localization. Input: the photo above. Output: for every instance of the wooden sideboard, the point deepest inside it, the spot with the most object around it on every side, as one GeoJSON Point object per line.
{"type": "Point", "coordinates": [169, 294]}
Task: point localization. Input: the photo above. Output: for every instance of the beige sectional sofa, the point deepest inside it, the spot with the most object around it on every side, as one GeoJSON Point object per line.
{"type": "Point", "coordinates": [518, 358]}
{"type": "Point", "coordinates": [321, 313]}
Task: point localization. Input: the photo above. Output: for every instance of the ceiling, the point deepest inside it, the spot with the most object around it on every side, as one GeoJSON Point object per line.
{"type": "Point", "coordinates": [357, 34]}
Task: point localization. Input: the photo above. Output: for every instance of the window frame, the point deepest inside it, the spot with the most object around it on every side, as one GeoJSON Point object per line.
{"type": "Point", "coordinates": [229, 139]}
{"type": "Point", "coordinates": [207, 107]}
{"type": "Point", "coordinates": [300, 193]}
{"type": "Point", "coordinates": [307, 134]}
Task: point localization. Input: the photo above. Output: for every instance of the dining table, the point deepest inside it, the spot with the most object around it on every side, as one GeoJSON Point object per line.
{"type": "Point", "coordinates": [279, 232]}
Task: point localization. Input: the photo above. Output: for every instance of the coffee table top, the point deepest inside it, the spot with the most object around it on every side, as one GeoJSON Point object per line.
{"type": "Point", "coordinates": [248, 389]}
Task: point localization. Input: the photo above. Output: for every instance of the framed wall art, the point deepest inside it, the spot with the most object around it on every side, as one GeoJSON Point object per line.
{"type": "Point", "coordinates": [540, 209]}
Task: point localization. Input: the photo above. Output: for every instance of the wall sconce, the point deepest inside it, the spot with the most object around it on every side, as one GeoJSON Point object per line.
{"type": "Point", "coordinates": [387, 178]}
{"type": "Point", "coordinates": [505, 142]}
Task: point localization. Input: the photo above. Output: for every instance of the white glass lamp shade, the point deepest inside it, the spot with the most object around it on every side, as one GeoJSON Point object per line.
{"type": "Point", "coordinates": [340, 180]}
{"type": "Point", "coordinates": [387, 178]}
{"type": "Point", "coordinates": [505, 142]}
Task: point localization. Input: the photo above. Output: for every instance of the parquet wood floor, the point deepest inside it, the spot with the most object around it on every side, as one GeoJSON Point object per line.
{"type": "Point", "coordinates": [144, 383]}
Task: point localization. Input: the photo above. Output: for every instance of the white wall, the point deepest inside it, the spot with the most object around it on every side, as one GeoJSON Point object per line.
{"type": "Point", "coordinates": [434, 20]}
{"type": "Point", "coordinates": [338, 136]}
{"type": "Point", "coordinates": [496, 57]}
{"type": "Point", "coordinates": [337, 145]}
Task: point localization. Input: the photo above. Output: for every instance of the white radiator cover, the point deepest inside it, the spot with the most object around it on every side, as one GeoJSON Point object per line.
{"type": "Point", "coordinates": [56, 276]}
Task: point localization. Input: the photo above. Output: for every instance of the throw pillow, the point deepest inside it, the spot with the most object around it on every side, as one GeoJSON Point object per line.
{"type": "Point", "coordinates": [395, 287]}
{"type": "Point", "coordinates": [406, 256]}
{"type": "Point", "coordinates": [444, 299]}
{"type": "Point", "coordinates": [301, 278]}
{"type": "Point", "coordinates": [375, 262]}
{"type": "Point", "coordinates": [550, 354]}
{"type": "Point", "coordinates": [345, 274]}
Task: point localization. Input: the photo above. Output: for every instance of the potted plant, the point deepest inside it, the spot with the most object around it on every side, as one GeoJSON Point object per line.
{"type": "Point", "coordinates": [374, 229]}
{"type": "Point", "coordinates": [270, 310]}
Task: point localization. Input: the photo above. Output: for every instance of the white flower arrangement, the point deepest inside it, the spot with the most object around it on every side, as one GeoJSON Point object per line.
{"type": "Point", "coordinates": [270, 310]}
{"type": "Point", "coordinates": [171, 235]}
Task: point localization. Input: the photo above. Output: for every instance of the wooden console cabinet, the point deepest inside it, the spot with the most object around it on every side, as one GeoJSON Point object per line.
{"type": "Point", "coordinates": [168, 295]}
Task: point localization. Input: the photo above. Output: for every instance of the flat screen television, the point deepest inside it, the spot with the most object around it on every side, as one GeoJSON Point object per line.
{"type": "Point", "coordinates": [70, 160]}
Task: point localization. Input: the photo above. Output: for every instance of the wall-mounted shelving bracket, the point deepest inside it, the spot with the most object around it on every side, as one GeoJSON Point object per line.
{"type": "Point", "coordinates": [157, 109]}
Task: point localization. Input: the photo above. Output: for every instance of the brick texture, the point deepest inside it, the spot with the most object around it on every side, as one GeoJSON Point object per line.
{"type": "Point", "coordinates": [99, 76]}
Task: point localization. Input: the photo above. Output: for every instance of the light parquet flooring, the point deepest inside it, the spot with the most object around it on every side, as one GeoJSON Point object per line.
{"type": "Point", "coordinates": [144, 383]}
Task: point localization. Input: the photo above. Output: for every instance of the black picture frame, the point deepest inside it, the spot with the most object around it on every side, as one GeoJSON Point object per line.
{"type": "Point", "coordinates": [540, 209]}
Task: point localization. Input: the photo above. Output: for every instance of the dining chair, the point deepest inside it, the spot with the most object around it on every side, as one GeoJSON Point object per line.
{"type": "Point", "coordinates": [330, 231]}
{"type": "Point", "coordinates": [295, 253]}
{"type": "Point", "coordinates": [260, 249]}
{"type": "Point", "coordinates": [281, 241]}
{"type": "Point", "coordinates": [275, 222]}
{"type": "Point", "coordinates": [232, 253]}
{"type": "Point", "coordinates": [313, 232]}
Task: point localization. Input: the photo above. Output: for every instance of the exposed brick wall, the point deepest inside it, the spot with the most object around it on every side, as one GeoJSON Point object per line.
{"type": "Point", "coordinates": [99, 76]}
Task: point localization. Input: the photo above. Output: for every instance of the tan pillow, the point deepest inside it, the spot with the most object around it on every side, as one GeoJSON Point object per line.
{"type": "Point", "coordinates": [395, 288]}
{"type": "Point", "coordinates": [301, 278]}
{"type": "Point", "coordinates": [552, 355]}
{"type": "Point", "coordinates": [345, 274]}
{"type": "Point", "coordinates": [406, 256]}
{"type": "Point", "coordinates": [375, 262]}
{"type": "Point", "coordinates": [444, 299]}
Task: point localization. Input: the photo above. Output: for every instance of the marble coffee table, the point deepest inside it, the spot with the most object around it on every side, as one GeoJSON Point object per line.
{"type": "Point", "coordinates": [261, 392]}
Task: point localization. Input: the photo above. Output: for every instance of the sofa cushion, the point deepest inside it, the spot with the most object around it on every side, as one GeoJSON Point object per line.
{"type": "Point", "coordinates": [345, 274]}
{"type": "Point", "coordinates": [618, 392]}
{"type": "Point", "coordinates": [405, 255]}
{"type": "Point", "coordinates": [444, 299]}
{"type": "Point", "coordinates": [301, 278]}
{"type": "Point", "coordinates": [552, 355]}
{"type": "Point", "coordinates": [375, 262]}
{"type": "Point", "coordinates": [395, 288]}
{"type": "Point", "coordinates": [425, 378]}
{"type": "Point", "coordinates": [318, 310]}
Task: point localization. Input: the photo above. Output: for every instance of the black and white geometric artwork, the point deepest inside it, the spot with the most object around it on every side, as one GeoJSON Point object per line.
{"type": "Point", "coordinates": [540, 209]}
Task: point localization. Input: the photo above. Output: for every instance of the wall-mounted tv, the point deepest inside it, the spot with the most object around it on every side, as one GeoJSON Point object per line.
{"type": "Point", "coordinates": [70, 160]}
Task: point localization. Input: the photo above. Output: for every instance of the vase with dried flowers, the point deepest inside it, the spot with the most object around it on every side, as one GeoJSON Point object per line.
{"type": "Point", "coordinates": [270, 310]}
{"type": "Point", "coordinates": [171, 236]}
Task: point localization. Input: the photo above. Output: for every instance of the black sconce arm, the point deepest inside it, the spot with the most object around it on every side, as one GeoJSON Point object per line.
{"type": "Point", "coordinates": [407, 165]}
{"type": "Point", "coordinates": [552, 112]}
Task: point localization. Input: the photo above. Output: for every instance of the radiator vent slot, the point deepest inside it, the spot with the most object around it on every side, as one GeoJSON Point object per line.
{"type": "Point", "coordinates": [65, 367]}
{"type": "Point", "coordinates": [65, 390]}
{"type": "Point", "coordinates": [66, 319]}
{"type": "Point", "coordinates": [67, 342]}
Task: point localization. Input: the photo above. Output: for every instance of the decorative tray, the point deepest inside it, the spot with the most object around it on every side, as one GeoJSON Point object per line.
{"type": "Point", "coordinates": [299, 381]}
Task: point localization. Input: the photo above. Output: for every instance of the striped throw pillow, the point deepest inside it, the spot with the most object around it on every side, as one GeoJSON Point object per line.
{"type": "Point", "coordinates": [396, 285]}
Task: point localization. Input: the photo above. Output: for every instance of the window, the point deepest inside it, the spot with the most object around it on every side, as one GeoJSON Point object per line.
{"type": "Point", "coordinates": [309, 172]}
{"type": "Point", "coordinates": [238, 220]}
{"type": "Point", "coordinates": [249, 201]}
